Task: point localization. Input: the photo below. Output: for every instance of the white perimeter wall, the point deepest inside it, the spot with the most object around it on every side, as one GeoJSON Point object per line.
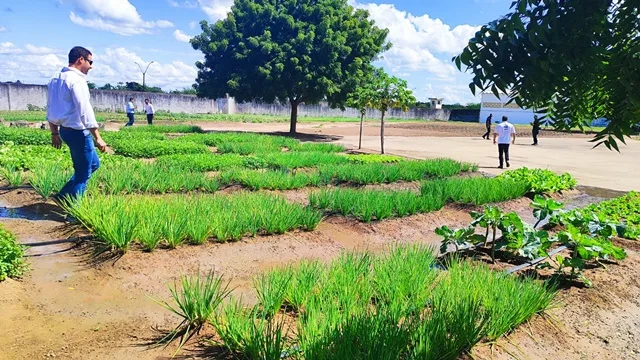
{"type": "Point", "coordinates": [496, 106]}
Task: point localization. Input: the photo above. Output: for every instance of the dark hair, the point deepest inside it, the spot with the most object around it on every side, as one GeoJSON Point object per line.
{"type": "Point", "coordinates": [147, 100]}
{"type": "Point", "coordinates": [78, 52]}
{"type": "Point", "coordinates": [504, 118]}
{"type": "Point", "coordinates": [131, 98]}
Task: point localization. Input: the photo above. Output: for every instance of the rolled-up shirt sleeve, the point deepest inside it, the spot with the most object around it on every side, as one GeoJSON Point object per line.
{"type": "Point", "coordinates": [81, 98]}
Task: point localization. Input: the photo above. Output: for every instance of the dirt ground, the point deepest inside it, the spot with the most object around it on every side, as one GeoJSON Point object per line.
{"type": "Point", "coordinates": [560, 152]}
{"type": "Point", "coordinates": [67, 307]}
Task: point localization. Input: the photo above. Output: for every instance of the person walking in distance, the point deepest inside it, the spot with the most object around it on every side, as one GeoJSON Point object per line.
{"type": "Point", "coordinates": [131, 108]}
{"type": "Point", "coordinates": [148, 109]}
{"type": "Point", "coordinates": [72, 120]}
{"type": "Point", "coordinates": [488, 124]}
{"type": "Point", "coordinates": [505, 133]}
{"type": "Point", "coordinates": [536, 129]}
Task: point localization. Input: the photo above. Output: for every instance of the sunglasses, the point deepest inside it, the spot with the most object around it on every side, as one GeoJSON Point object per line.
{"type": "Point", "coordinates": [90, 61]}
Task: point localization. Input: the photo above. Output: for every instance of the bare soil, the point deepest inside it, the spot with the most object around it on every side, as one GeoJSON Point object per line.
{"type": "Point", "coordinates": [69, 307]}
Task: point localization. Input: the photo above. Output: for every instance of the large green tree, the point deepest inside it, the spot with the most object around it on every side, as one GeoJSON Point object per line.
{"type": "Point", "coordinates": [292, 51]}
{"type": "Point", "coordinates": [573, 60]}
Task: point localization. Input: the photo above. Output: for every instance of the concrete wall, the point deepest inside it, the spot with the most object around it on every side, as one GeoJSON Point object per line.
{"type": "Point", "coordinates": [323, 110]}
{"type": "Point", "coordinates": [19, 96]}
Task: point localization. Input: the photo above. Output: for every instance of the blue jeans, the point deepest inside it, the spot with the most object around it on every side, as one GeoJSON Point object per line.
{"type": "Point", "coordinates": [85, 161]}
{"type": "Point", "coordinates": [130, 116]}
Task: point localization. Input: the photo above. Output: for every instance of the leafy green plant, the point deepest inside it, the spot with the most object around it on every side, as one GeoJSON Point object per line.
{"type": "Point", "coordinates": [475, 190]}
{"type": "Point", "coordinates": [12, 264]}
{"type": "Point", "coordinates": [271, 289]}
{"type": "Point", "coordinates": [490, 219]}
{"type": "Point", "coordinates": [373, 158]}
{"type": "Point", "coordinates": [541, 181]}
{"type": "Point", "coordinates": [24, 136]}
{"type": "Point", "coordinates": [544, 208]}
{"type": "Point", "coordinates": [195, 302]}
{"type": "Point", "coordinates": [178, 128]}
{"type": "Point", "coordinates": [458, 238]}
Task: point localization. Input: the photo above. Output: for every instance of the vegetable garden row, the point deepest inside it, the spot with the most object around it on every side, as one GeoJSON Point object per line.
{"type": "Point", "coordinates": [405, 304]}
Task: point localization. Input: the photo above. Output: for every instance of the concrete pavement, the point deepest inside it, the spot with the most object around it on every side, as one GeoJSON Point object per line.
{"type": "Point", "coordinates": [598, 167]}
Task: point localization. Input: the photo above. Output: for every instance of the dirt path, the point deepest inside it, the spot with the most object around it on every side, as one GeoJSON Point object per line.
{"type": "Point", "coordinates": [68, 309]}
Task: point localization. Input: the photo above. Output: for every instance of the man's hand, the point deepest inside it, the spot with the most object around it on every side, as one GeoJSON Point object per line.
{"type": "Point", "coordinates": [494, 141]}
{"type": "Point", "coordinates": [102, 146]}
{"type": "Point", "coordinates": [56, 141]}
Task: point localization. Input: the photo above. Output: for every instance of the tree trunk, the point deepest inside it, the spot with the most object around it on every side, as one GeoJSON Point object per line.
{"type": "Point", "coordinates": [360, 141]}
{"type": "Point", "coordinates": [294, 117]}
{"type": "Point", "coordinates": [382, 134]}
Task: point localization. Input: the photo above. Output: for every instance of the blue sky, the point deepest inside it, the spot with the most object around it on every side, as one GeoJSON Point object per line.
{"type": "Point", "coordinates": [34, 44]}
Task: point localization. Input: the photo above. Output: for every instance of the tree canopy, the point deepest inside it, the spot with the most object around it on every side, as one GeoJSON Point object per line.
{"type": "Point", "coordinates": [292, 51]}
{"type": "Point", "coordinates": [572, 60]}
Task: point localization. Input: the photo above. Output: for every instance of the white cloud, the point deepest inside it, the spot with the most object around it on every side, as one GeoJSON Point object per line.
{"type": "Point", "coordinates": [112, 65]}
{"type": "Point", "coordinates": [190, 4]}
{"type": "Point", "coordinates": [2, 28]}
{"type": "Point", "coordinates": [7, 48]}
{"type": "Point", "coordinates": [117, 16]}
{"type": "Point", "coordinates": [38, 50]}
{"type": "Point", "coordinates": [193, 25]}
{"type": "Point", "coordinates": [216, 9]}
{"type": "Point", "coordinates": [119, 65]}
{"type": "Point", "coordinates": [180, 36]}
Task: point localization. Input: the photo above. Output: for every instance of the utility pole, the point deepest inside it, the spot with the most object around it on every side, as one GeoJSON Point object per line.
{"type": "Point", "coordinates": [144, 74]}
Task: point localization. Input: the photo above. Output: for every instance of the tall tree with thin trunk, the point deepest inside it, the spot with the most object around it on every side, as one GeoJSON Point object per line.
{"type": "Point", "coordinates": [362, 99]}
{"type": "Point", "coordinates": [389, 92]}
{"type": "Point", "coordinates": [290, 51]}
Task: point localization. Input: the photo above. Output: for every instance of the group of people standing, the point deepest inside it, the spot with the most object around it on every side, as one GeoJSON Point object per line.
{"type": "Point", "coordinates": [131, 109]}
{"type": "Point", "coordinates": [505, 135]}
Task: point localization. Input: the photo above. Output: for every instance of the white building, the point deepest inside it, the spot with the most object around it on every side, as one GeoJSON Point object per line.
{"type": "Point", "coordinates": [435, 103]}
{"type": "Point", "coordinates": [498, 107]}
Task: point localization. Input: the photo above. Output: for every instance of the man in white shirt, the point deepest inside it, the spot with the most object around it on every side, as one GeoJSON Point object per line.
{"type": "Point", "coordinates": [72, 120]}
{"type": "Point", "coordinates": [148, 109]}
{"type": "Point", "coordinates": [131, 108]}
{"type": "Point", "coordinates": [505, 133]}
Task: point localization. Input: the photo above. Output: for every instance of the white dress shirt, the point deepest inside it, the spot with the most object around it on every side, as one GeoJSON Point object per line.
{"type": "Point", "coordinates": [148, 109]}
{"type": "Point", "coordinates": [68, 101]}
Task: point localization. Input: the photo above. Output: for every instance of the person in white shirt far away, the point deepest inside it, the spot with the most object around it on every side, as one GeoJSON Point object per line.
{"type": "Point", "coordinates": [72, 120]}
{"type": "Point", "coordinates": [148, 109]}
{"type": "Point", "coordinates": [505, 133]}
{"type": "Point", "coordinates": [131, 108]}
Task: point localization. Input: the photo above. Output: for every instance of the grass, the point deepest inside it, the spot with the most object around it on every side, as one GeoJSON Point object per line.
{"type": "Point", "coordinates": [195, 302]}
{"type": "Point", "coordinates": [48, 178]}
{"type": "Point", "coordinates": [270, 179]}
{"type": "Point", "coordinates": [151, 148]}
{"type": "Point", "coordinates": [396, 305]}
{"type": "Point", "coordinates": [373, 158]}
{"type": "Point", "coordinates": [474, 191]}
{"type": "Point", "coordinates": [12, 264]}
{"type": "Point", "coordinates": [370, 205]}
{"type": "Point", "coordinates": [203, 162]}
{"type": "Point", "coordinates": [294, 160]}
{"type": "Point", "coordinates": [180, 128]}
{"type": "Point", "coordinates": [134, 177]}
{"type": "Point", "coordinates": [120, 221]}
{"type": "Point", "coordinates": [378, 173]}
{"type": "Point", "coordinates": [13, 176]}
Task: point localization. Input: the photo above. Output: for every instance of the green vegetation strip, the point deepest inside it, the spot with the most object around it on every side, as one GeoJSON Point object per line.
{"type": "Point", "coordinates": [120, 221]}
{"type": "Point", "coordinates": [623, 212]}
{"type": "Point", "coordinates": [541, 181]}
{"type": "Point", "coordinates": [369, 205]}
{"type": "Point", "coordinates": [361, 306]}
{"type": "Point", "coordinates": [12, 263]}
